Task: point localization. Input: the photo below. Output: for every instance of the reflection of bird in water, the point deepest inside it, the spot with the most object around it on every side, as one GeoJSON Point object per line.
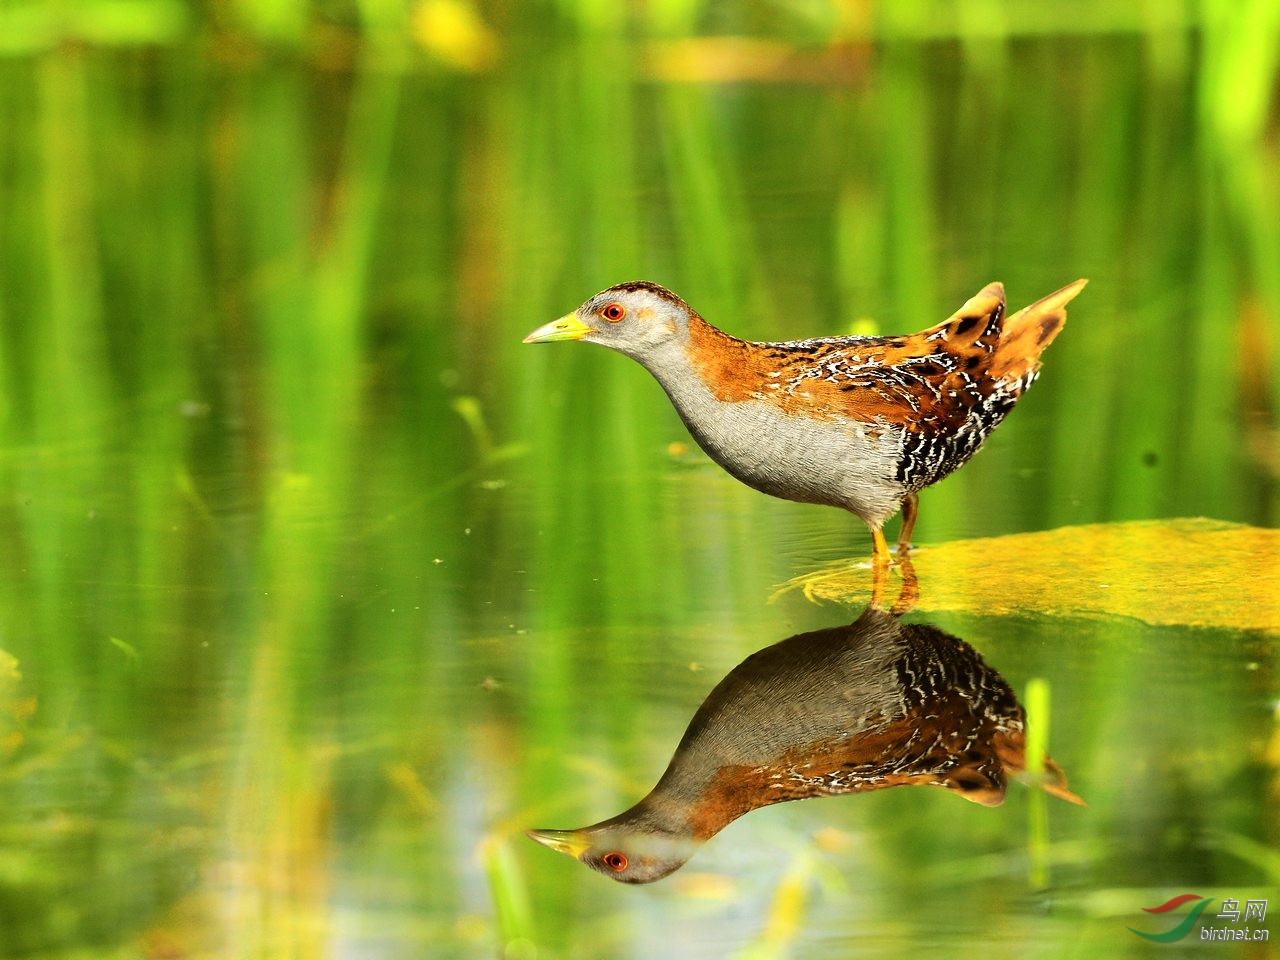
{"type": "Point", "coordinates": [862, 423]}
{"type": "Point", "coordinates": [874, 704]}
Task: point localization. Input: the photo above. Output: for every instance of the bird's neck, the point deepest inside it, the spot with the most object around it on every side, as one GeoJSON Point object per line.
{"type": "Point", "coordinates": [723, 363]}
{"type": "Point", "coordinates": [696, 799]}
{"type": "Point", "coordinates": [702, 366]}
{"type": "Point", "coordinates": [658, 813]}
{"type": "Point", "coordinates": [678, 812]}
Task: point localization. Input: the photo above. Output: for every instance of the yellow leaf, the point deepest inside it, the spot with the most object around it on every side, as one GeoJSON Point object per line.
{"type": "Point", "coordinates": [452, 31]}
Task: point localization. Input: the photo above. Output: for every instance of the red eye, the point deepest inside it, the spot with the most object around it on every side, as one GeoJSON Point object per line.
{"type": "Point", "coordinates": [613, 313]}
{"type": "Point", "coordinates": [617, 862]}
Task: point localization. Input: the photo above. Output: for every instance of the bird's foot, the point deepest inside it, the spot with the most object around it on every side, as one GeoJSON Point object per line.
{"type": "Point", "coordinates": [908, 592]}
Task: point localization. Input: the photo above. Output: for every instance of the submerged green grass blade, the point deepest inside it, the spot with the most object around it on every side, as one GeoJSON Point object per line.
{"type": "Point", "coordinates": [1036, 699]}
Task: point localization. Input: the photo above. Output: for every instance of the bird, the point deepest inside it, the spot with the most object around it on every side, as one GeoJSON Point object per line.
{"type": "Point", "coordinates": [862, 706]}
{"type": "Point", "coordinates": [858, 422]}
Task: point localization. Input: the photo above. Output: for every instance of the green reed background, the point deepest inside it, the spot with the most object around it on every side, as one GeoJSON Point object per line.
{"type": "Point", "coordinates": [320, 585]}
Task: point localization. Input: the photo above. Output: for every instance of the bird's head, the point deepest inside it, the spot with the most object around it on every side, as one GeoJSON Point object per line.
{"type": "Point", "coordinates": [636, 319]}
{"type": "Point", "coordinates": [627, 855]}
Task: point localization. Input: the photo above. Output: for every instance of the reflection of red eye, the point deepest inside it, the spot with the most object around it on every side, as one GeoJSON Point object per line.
{"type": "Point", "coordinates": [613, 313]}
{"type": "Point", "coordinates": [617, 862]}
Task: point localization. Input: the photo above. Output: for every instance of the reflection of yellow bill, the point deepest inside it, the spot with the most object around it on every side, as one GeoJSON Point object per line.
{"type": "Point", "coordinates": [562, 841]}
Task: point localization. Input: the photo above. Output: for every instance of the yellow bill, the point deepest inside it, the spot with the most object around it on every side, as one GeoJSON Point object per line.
{"type": "Point", "coordinates": [568, 327]}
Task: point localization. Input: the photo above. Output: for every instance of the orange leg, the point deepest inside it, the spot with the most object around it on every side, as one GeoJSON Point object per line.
{"type": "Point", "coordinates": [909, 595]}
{"type": "Point", "coordinates": [880, 556]}
{"type": "Point", "coordinates": [910, 507]}
{"type": "Point", "coordinates": [880, 559]}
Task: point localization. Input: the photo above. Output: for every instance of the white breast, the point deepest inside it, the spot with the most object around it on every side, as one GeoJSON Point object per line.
{"type": "Point", "coordinates": [840, 463]}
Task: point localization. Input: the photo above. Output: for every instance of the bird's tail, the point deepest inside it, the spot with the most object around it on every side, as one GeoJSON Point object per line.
{"type": "Point", "coordinates": [1011, 748]}
{"type": "Point", "coordinates": [1054, 782]}
{"type": "Point", "coordinates": [1025, 334]}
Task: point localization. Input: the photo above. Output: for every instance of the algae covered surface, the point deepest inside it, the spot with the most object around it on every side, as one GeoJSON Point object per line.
{"type": "Point", "coordinates": [1184, 572]}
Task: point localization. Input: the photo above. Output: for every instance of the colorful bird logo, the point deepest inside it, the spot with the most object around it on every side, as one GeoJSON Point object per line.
{"type": "Point", "coordinates": [1182, 929]}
